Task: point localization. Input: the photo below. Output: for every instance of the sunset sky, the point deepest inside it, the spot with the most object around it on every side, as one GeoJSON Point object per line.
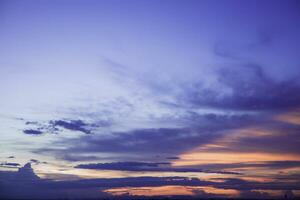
{"type": "Point", "coordinates": [130, 98]}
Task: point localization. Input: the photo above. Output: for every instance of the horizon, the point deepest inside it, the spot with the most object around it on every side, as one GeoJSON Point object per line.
{"type": "Point", "coordinates": [120, 99]}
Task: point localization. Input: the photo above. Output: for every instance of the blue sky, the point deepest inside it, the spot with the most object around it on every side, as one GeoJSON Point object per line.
{"type": "Point", "coordinates": [150, 90]}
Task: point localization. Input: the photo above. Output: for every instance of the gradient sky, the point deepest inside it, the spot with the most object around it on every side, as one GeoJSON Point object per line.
{"type": "Point", "coordinates": [132, 98]}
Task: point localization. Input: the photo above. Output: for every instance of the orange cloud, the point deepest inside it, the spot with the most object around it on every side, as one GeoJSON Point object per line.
{"type": "Point", "coordinates": [172, 191]}
{"type": "Point", "coordinates": [204, 157]}
{"type": "Point", "coordinates": [290, 117]}
{"type": "Point", "coordinates": [223, 150]}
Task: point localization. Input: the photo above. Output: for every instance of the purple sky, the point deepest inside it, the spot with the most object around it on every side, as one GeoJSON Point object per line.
{"type": "Point", "coordinates": [129, 98]}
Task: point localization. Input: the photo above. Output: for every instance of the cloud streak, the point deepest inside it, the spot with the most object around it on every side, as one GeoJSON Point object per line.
{"type": "Point", "coordinates": [145, 167]}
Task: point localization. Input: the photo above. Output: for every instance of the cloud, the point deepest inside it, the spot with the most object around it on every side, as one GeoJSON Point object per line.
{"type": "Point", "coordinates": [31, 123]}
{"type": "Point", "coordinates": [76, 157]}
{"type": "Point", "coordinates": [278, 138]}
{"type": "Point", "coordinates": [243, 185]}
{"type": "Point", "coordinates": [172, 158]}
{"type": "Point", "coordinates": [145, 144]}
{"type": "Point", "coordinates": [248, 194]}
{"type": "Point", "coordinates": [55, 126]}
{"type": "Point", "coordinates": [10, 157]}
{"type": "Point", "coordinates": [26, 173]}
{"type": "Point", "coordinates": [145, 141]}
{"type": "Point", "coordinates": [273, 146]}
{"type": "Point", "coordinates": [9, 165]}
{"type": "Point", "coordinates": [246, 88]}
{"type": "Point", "coordinates": [266, 164]}
{"type": "Point", "coordinates": [25, 184]}
{"type": "Point", "coordinates": [145, 167]}
{"type": "Point", "coordinates": [32, 132]}
{"type": "Point", "coordinates": [201, 129]}
{"type": "Point", "coordinates": [35, 161]}
{"type": "Point", "coordinates": [73, 125]}
{"type": "Point", "coordinates": [126, 166]}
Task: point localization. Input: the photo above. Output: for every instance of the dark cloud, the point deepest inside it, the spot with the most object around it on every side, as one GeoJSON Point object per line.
{"type": "Point", "coordinates": [31, 123]}
{"type": "Point", "coordinates": [10, 157]}
{"type": "Point", "coordinates": [26, 173]}
{"type": "Point", "coordinates": [277, 143]}
{"type": "Point", "coordinates": [282, 176]}
{"type": "Point", "coordinates": [121, 165]}
{"type": "Point", "coordinates": [250, 89]}
{"type": "Point", "coordinates": [76, 157]}
{"type": "Point", "coordinates": [248, 194]}
{"type": "Point", "coordinates": [25, 184]}
{"type": "Point", "coordinates": [73, 125]}
{"type": "Point", "coordinates": [200, 193]}
{"type": "Point", "coordinates": [144, 167]}
{"type": "Point", "coordinates": [173, 158]}
{"type": "Point", "coordinates": [144, 141]}
{"type": "Point", "coordinates": [267, 164]}
{"type": "Point", "coordinates": [149, 143]}
{"type": "Point", "coordinates": [159, 141]}
{"type": "Point", "coordinates": [215, 122]}
{"type": "Point", "coordinates": [35, 161]}
{"type": "Point", "coordinates": [55, 126]}
{"type": "Point", "coordinates": [32, 132]}
{"type": "Point", "coordinates": [243, 185]}
{"type": "Point", "coordinates": [9, 165]}
{"type": "Point", "coordinates": [282, 138]}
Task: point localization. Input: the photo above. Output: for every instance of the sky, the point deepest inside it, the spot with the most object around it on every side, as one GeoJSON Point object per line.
{"type": "Point", "coordinates": [134, 98]}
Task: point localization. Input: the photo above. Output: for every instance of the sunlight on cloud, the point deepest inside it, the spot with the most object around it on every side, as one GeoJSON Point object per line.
{"type": "Point", "coordinates": [173, 191]}
{"type": "Point", "coordinates": [204, 157]}
{"type": "Point", "coordinates": [289, 117]}
{"type": "Point", "coordinates": [220, 150]}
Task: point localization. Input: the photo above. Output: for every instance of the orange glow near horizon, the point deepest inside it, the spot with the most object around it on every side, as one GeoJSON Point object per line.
{"type": "Point", "coordinates": [188, 190]}
{"type": "Point", "coordinates": [172, 191]}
